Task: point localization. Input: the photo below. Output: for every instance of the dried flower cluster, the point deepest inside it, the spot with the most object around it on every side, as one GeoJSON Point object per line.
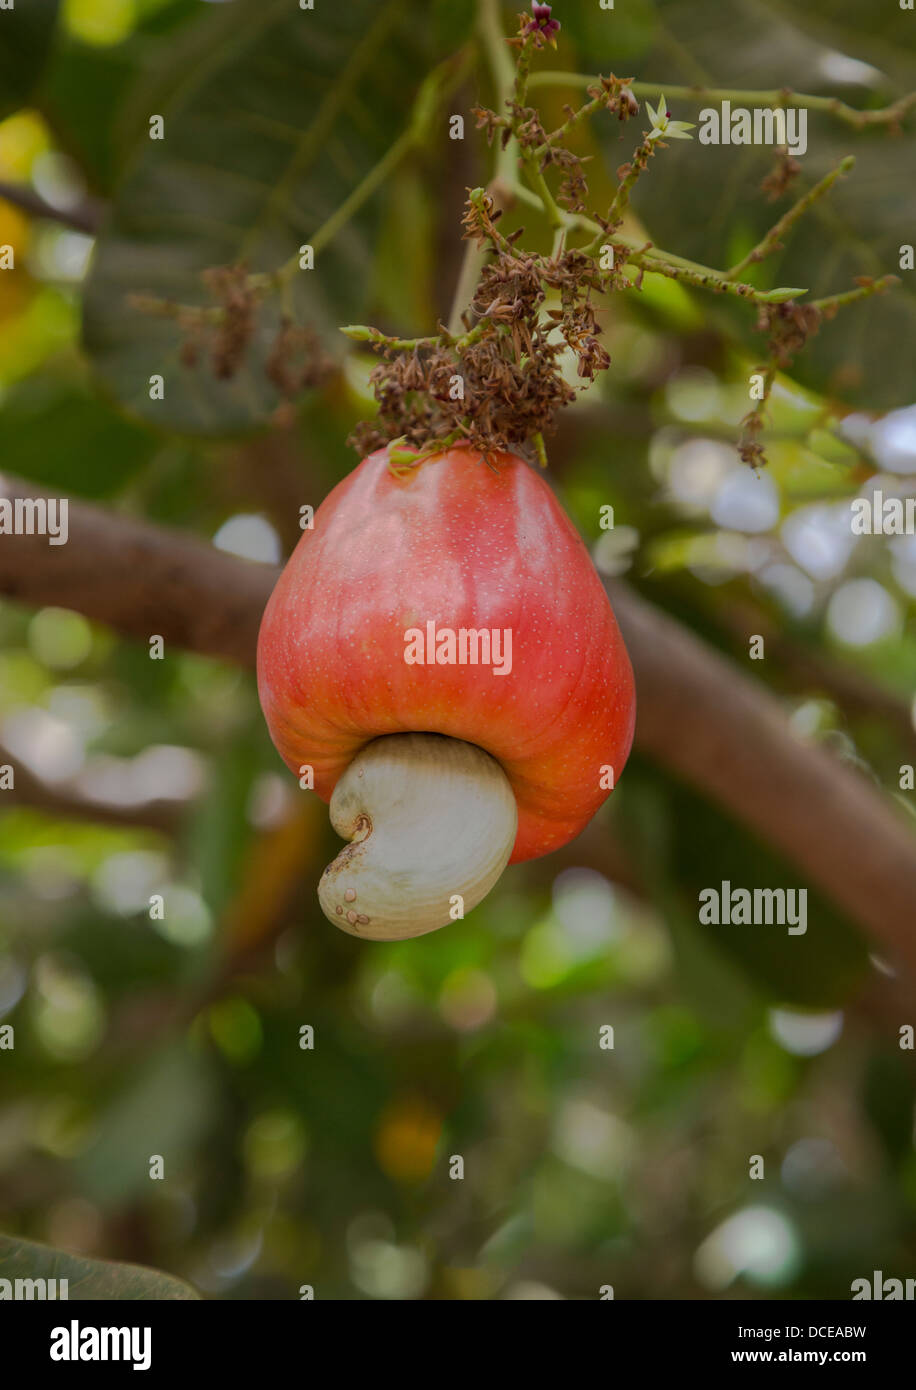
{"type": "Point", "coordinates": [750, 450]}
{"type": "Point", "coordinates": [788, 327]}
{"type": "Point", "coordinates": [296, 359]}
{"type": "Point", "coordinates": [500, 385]}
{"type": "Point", "coordinates": [782, 176]}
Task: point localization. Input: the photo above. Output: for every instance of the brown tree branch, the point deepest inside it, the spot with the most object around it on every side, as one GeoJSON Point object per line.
{"type": "Point", "coordinates": [85, 217]}
{"type": "Point", "coordinates": [720, 731]}
{"type": "Point", "coordinates": [698, 715]}
{"type": "Point", "coordinates": [811, 670]}
{"type": "Point", "coordinates": [139, 578]}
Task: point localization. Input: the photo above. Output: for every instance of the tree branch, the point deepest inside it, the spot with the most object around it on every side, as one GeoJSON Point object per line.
{"type": "Point", "coordinates": [138, 578]}
{"type": "Point", "coordinates": [720, 731]}
{"type": "Point", "coordinates": [86, 217]}
{"type": "Point", "coordinates": [891, 115]}
{"type": "Point", "coordinates": [802, 667]}
{"type": "Point", "coordinates": [698, 714]}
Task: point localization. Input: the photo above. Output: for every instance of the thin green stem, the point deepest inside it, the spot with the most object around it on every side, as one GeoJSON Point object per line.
{"type": "Point", "coordinates": [515, 191]}
{"type": "Point", "coordinates": [504, 186]}
{"type": "Point", "coordinates": [555, 214]}
{"type": "Point", "coordinates": [562, 132]}
{"type": "Point", "coordinates": [440, 83]}
{"type": "Point", "coordinates": [641, 156]}
{"type": "Point", "coordinates": [705, 278]}
{"type": "Point", "coordinates": [352, 204]}
{"type": "Point", "coordinates": [363, 333]}
{"type": "Point", "coordinates": [472, 264]}
{"type": "Point", "coordinates": [523, 72]}
{"type": "Point", "coordinates": [512, 86]}
{"type": "Point", "coordinates": [768, 381]}
{"type": "Point", "coordinates": [666, 263]}
{"type": "Point", "coordinates": [489, 22]}
{"type": "Point", "coordinates": [170, 309]}
{"type": "Point", "coordinates": [335, 100]}
{"type": "Point", "coordinates": [777, 96]}
{"type": "Point", "coordinates": [773, 238]}
{"type": "Point", "coordinates": [829, 305]}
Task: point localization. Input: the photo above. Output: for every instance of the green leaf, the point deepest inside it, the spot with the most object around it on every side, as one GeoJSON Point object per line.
{"type": "Point", "coordinates": [703, 201]}
{"type": "Point", "coordinates": [90, 1280]}
{"type": "Point", "coordinates": [103, 449]}
{"type": "Point", "coordinates": [84, 85]}
{"type": "Point", "coordinates": [273, 116]}
{"type": "Point", "coordinates": [26, 32]}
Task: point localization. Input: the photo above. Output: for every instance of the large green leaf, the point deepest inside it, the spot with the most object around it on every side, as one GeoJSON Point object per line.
{"type": "Point", "coordinates": [273, 115]}
{"type": "Point", "coordinates": [704, 201]}
{"type": "Point", "coordinates": [26, 32]}
{"type": "Point", "coordinates": [84, 85]}
{"type": "Point", "coordinates": [91, 1280]}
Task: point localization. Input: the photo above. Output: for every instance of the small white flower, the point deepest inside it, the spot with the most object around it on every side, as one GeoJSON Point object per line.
{"type": "Point", "coordinates": [663, 127]}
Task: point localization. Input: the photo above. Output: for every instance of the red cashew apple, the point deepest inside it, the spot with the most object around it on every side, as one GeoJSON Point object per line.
{"type": "Point", "coordinates": [440, 652]}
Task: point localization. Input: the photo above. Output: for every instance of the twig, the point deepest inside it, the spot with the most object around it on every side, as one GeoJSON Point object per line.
{"type": "Point", "coordinates": [362, 333]}
{"type": "Point", "coordinates": [442, 81]}
{"type": "Point", "coordinates": [489, 21]}
{"type": "Point", "coordinates": [512, 86]}
{"type": "Point", "coordinates": [504, 187]}
{"type": "Point", "coordinates": [866, 287]}
{"type": "Point", "coordinates": [138, 578]}
{"type": "Point", "coordinates": [705, 278]}
{"type": "Point", "coordinates": [472, 264]}
{"type": "Point", "coordinates": [661, 262]}
{"type": "Point", "coordinates": [773, 239]}
{"type": "Point", "coordinates": [85, 217]}
{"type": "Point", "coordinates": [749, 447]}
{"type": "Point", "coordinates": [705, 721]}
{"type": "Point", "coordinates": [778, 96]}
{"type": "Point", "coordinates": [621, 200]}
{"type": "Point", "coordinates": [804, 668]}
